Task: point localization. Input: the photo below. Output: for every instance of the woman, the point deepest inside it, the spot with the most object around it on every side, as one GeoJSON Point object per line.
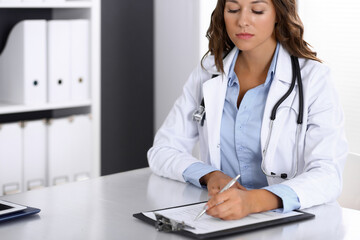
{"type": "Point", "coordinates": [248, 69]}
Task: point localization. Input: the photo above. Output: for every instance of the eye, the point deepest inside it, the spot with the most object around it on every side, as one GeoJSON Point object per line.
{"type": "Point", "coordinates": [233, 11]}
{"type": "Point", "coordinates": [257, 12]}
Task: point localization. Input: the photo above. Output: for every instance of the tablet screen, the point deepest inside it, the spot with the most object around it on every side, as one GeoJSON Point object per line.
{"type": "Point", "coordinates": [8, 207]}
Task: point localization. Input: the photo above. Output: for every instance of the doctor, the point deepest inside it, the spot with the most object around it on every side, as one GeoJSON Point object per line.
{"type": "Point", "coordinates": [284, 164]}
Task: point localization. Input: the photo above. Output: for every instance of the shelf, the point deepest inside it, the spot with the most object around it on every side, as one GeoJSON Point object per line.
{"type": "Point", "coordinates": [50, 111]}
{"type": "Point", "coordinates": [72, 4]}
{"type": "Point", "coordinates": [6, 108]}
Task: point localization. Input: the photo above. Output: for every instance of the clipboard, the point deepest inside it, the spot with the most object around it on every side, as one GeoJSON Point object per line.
{"type": "Point", "coordinates": [179, 227]}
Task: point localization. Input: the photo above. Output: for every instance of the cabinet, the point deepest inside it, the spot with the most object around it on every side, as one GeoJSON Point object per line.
{"type": "Point", "coordinates": [21, 121]}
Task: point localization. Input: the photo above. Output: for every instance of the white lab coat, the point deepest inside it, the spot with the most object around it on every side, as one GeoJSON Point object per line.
{"type": "Point", "coordinates": [322, 143]}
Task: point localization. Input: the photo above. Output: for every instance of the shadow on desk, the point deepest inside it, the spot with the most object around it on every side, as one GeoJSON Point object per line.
{"type": "Point", "coordinates": [164, 192]}
{"type": "Point", "coordinates": [330, 214]}
{"type": "Point", "coordinates": [21, 220]}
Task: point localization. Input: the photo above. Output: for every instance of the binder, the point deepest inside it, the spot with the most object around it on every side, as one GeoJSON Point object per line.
{"type": "Point", "coordinates": [81, 156]}
{"type": "Point", "coordinates": [32, 0]}
{"type": "Point", "coordinates": [79, 60]}
{"type": "Point", "coordinates": [10, 158]}
{"type": "Point", "coordinates": [69, 149]}
{"type": "Point", "coordinates": [56, 1]}
{"type": "Point", "coordinates": [34, 154]}
{"type": "Point", "coordinates": [59, 151]}
{"type": "Point", "coordinates": [10, 1]}
{"type": "Point", "coordinates": [58, 37]}
{"type": "Point", "coordinates": [249, 223]}
{"type": "Point", "coordinates": [23, 64]}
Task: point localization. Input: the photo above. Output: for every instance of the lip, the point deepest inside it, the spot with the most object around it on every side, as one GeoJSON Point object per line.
{"type": "Point", "coordinates": [244, 36]}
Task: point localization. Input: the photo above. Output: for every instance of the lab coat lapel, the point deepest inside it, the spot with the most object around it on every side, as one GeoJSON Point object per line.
{"type": "Point", "coordinates": [214, 96]}
{"type": "Point", "coordinates": [279, 86]}
{"type": "Point", "coordinates": [214, 91]}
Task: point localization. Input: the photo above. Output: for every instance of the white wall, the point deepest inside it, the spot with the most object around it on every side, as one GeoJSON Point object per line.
{"type": "Point", "coordinates": [180, 43]}
{"type": "Point", "coordinates": [176, 51]}
{"type": "Point", "coordinates": [332, 28]}
{"type": "Point", "coordinates": [206, 8]}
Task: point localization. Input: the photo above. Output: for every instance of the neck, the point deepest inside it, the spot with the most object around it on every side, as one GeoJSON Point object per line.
{"type": "Point", "coordinates": [257, 60]}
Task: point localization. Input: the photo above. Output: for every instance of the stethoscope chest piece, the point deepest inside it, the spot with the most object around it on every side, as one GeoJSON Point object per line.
{"type": "Point", "coordinates": [200, 114]}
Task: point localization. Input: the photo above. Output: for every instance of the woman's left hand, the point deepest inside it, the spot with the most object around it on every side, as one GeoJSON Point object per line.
{"type": "Point", "coordinates": [236, 203]}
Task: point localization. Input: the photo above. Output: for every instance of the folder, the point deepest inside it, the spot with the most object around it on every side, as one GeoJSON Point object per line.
{"type": "Point", "coordinates": [23, 64]}
{"type": "Point", "coordinates": [81, 155]}
{"type": "Point", "coordinates": [59, 151]}
{"type": "Point", "coordinates": [79, 60]}
{"type": "Point", "coordinates": [58, 36]}
{"type": "Point", "coordinates": [69, 149]}
{"type": "Point", "coordinates": [10, 158]}
{"type": "Point", "coordinates": [34, 152]}
{"type": "Point", "coordinates": [54, 1]}
{"type": "Point", "coordinates": [10, 1]}
{"type": "Point", "coordinates": [32, 0]}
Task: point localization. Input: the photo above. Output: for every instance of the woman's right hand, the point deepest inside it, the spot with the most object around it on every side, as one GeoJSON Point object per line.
{"type": "Point", "coordinates": [215, 181]}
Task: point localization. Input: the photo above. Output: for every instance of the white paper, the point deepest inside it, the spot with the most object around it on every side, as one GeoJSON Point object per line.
{"type": "Point", "coordinates": [208, 224]}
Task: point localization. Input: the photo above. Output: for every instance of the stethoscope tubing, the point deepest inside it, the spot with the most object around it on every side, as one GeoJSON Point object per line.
{"type": "Point", "coordinates": [296, 75]}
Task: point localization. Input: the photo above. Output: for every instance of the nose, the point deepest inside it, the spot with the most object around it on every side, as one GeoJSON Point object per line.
{"type": "Point", "coordinates": [244, 19]}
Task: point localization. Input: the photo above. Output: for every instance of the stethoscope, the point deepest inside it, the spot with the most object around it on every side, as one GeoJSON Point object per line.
{"type": "Point", "coordinates": [199, 116]}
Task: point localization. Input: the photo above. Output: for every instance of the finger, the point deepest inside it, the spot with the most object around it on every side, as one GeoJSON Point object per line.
{"type": "Point", "coordinates": [217, 199]}
{"type": "Point", "coordinates": [213, 191]}
{"type": "Point", "coordinates": [222, 210]}
{"type": "Point", "coordinates": [239, 186]}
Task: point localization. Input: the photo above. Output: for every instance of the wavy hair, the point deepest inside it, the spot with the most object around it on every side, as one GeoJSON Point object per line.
{"type": "Point", "coordinates": [289, 31]}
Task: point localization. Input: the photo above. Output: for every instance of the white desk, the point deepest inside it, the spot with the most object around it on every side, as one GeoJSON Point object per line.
{"type": "Point", "coordinates": [102, 208]}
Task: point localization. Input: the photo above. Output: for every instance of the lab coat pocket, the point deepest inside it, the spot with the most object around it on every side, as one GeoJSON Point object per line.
{"type": "Point", "coordinates": [283, 139]}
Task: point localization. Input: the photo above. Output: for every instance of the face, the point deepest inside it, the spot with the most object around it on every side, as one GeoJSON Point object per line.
{"type": "Point", "coordinates": [250, 23]}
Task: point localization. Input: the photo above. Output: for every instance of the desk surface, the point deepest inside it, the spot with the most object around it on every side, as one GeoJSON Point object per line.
{"type": "Point", "coordinates": [102, 208]}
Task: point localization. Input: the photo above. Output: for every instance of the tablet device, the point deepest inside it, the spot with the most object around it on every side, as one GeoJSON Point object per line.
{"type": "Point", "coordinates": [8, 207]}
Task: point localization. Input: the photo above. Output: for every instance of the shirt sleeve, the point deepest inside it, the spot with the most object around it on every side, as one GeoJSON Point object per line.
{"type": "Point", "coordinates": [289, 198]}
{"type": "Point", "coordinates": [195, 171]}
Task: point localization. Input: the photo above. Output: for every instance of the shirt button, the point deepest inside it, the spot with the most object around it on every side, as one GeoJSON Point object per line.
{"type": "Point", "coordinates": [218, 146]}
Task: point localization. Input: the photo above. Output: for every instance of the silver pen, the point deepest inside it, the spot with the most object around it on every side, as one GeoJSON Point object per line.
{"type": "Point", "coordinates": [222, 190]}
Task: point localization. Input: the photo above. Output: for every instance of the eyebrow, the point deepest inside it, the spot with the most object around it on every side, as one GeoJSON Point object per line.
{"type": "Point", "coordinates": [259, 1]}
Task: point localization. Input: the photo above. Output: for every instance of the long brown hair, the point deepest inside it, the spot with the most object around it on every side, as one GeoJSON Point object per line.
{"type": "Point", "coordinates": [289, 31]}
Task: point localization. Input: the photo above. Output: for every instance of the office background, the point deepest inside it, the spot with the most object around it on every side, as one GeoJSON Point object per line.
{"type": "Point", "coordinates": [127, 78]}
{"type": "Point", "coordinates": [149, 48]}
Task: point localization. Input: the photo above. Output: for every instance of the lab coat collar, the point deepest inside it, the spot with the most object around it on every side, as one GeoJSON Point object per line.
{"type": "Point", "coordinates": [209, 63]}
{"type": "Point", "coordinates": [283, 66]}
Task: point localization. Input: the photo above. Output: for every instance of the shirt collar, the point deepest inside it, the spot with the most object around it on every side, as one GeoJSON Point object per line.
{"type": "Point", "coordinates": [271, 72]}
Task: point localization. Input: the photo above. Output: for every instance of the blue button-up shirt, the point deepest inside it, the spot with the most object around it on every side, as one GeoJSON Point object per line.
{"type": "Point", "coordinates": [240, 139]}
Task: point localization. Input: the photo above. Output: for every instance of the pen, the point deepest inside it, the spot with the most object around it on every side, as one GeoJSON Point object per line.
{"type": "Point", "coordinates": [222, 190]}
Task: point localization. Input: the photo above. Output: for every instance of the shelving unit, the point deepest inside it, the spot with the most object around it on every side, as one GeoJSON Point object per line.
{"type": "Point", "coordinates": [66, 10]}
{"type": "Point", "coordinates": [72, 4]}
